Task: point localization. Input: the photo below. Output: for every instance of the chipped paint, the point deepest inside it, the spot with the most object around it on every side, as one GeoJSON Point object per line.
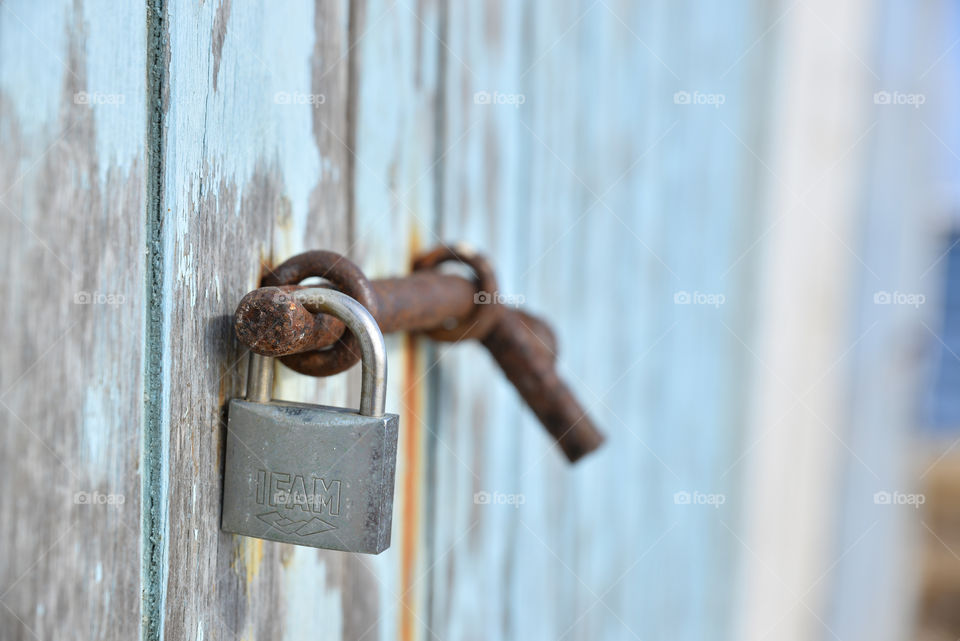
{"type": "Point", "coordinates": [217, 35]}
{"type": "Point", "coordinates": [99, 404]}
{"type": "Point", "coordinates": [36, 83]}
{"type": "Point", "coordinates": [307, 576]}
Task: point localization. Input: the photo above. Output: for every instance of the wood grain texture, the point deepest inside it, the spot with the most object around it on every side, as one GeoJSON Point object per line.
{"type": "Point", "coordinates": [477, 427]}
{"type": "Point", "coordinates": [396, 171]}
{"type": "Point", "coordinates": [337, 106]}
{"type": "Point", "coordinates": [551, 136]}
{"type": "Point", "coordinates": [72, 123]}
{"type": "Point", "coordinates": [254, 168]}
{"type": "Point", "coordinates": [511, 178]}
{"type": "Point", "coordinates": [595, 206]}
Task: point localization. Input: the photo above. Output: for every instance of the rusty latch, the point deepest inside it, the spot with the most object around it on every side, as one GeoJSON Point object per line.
{"type": "Point", "coordinates": [443, 306]}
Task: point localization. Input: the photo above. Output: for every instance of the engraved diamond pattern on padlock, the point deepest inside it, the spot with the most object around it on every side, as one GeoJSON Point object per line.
{"type": "Point", "coordinates": [310, 474]}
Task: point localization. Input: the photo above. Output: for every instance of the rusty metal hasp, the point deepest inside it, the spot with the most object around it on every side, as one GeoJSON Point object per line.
{"type": "Point", "coordinates": [442, 306]}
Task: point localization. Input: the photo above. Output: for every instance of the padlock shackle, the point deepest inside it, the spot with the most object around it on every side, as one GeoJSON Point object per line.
{"type": "Point", "coordinates": [259, 378]}
{"type": "Point", "coordinates": [373, 377]}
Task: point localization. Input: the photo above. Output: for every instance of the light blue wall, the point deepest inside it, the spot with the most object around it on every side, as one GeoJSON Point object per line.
{"type": "Point", "coordinates": [600, 199]}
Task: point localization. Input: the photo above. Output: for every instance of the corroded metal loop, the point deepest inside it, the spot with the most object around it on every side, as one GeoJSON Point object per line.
{"type": "Point", "coordinates": [280, 320]}
{"type": "Point", "coordinates": [486, 310]}
{"type": "Point", "coordinates": [344, 276]}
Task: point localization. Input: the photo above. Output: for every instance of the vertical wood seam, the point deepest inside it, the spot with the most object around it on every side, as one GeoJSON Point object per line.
{"type": "Point", "coordinates": [153, 446]}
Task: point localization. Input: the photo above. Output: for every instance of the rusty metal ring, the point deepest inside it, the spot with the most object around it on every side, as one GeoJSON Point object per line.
{"type": "Point", "coordinates": [344, 276]}
{"type": "Point", "coordinates": [486, 310]}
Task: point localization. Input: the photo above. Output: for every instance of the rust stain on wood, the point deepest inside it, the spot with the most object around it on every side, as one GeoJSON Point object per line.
{"type": "Point", "coordinates": [411, 412]}
{"type": "Point", "coordinates": [247, 558]}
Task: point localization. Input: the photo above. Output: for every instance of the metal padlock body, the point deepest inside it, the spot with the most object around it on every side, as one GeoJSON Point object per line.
{"type": "Point", "coordinates": [310, 474]}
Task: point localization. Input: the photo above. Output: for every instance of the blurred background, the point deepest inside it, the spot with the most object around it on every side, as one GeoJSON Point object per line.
{"type": "Point", "coordinates": [740, 217]}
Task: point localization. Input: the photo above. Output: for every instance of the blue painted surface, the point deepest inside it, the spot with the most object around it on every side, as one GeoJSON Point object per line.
{"type": "Point", "coordinates": [607, 156]}
{"type": "Point", "coordinates": [599, 199]}
{"type": "Point", "coordinates": [72, 124]}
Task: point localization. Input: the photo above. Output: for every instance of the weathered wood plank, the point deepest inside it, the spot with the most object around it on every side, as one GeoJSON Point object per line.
{"type": "Point", "coordinates": [583, 196]}
{"type": "Point", "coordinates": [72, 123]}
{"type": "Point", "coordinates": [254, 169]}
{"type": "Point", "coordinates": [476, 428]}
{"type": "Point", "coordinates": [285, 186]}
{"type": "Point", "coordinates": [395, 180]}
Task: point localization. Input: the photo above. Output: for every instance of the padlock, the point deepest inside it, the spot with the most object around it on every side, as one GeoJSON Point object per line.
{"type": "Point", "coordinates": [309, 474]}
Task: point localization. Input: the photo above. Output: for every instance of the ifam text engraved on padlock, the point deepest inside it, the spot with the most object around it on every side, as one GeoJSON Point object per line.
{"type": "Point", "coordinates": [310, 474]}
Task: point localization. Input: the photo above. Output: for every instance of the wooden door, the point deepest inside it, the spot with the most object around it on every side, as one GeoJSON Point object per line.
{"type": "Point", "coordinates": [154, 155]}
